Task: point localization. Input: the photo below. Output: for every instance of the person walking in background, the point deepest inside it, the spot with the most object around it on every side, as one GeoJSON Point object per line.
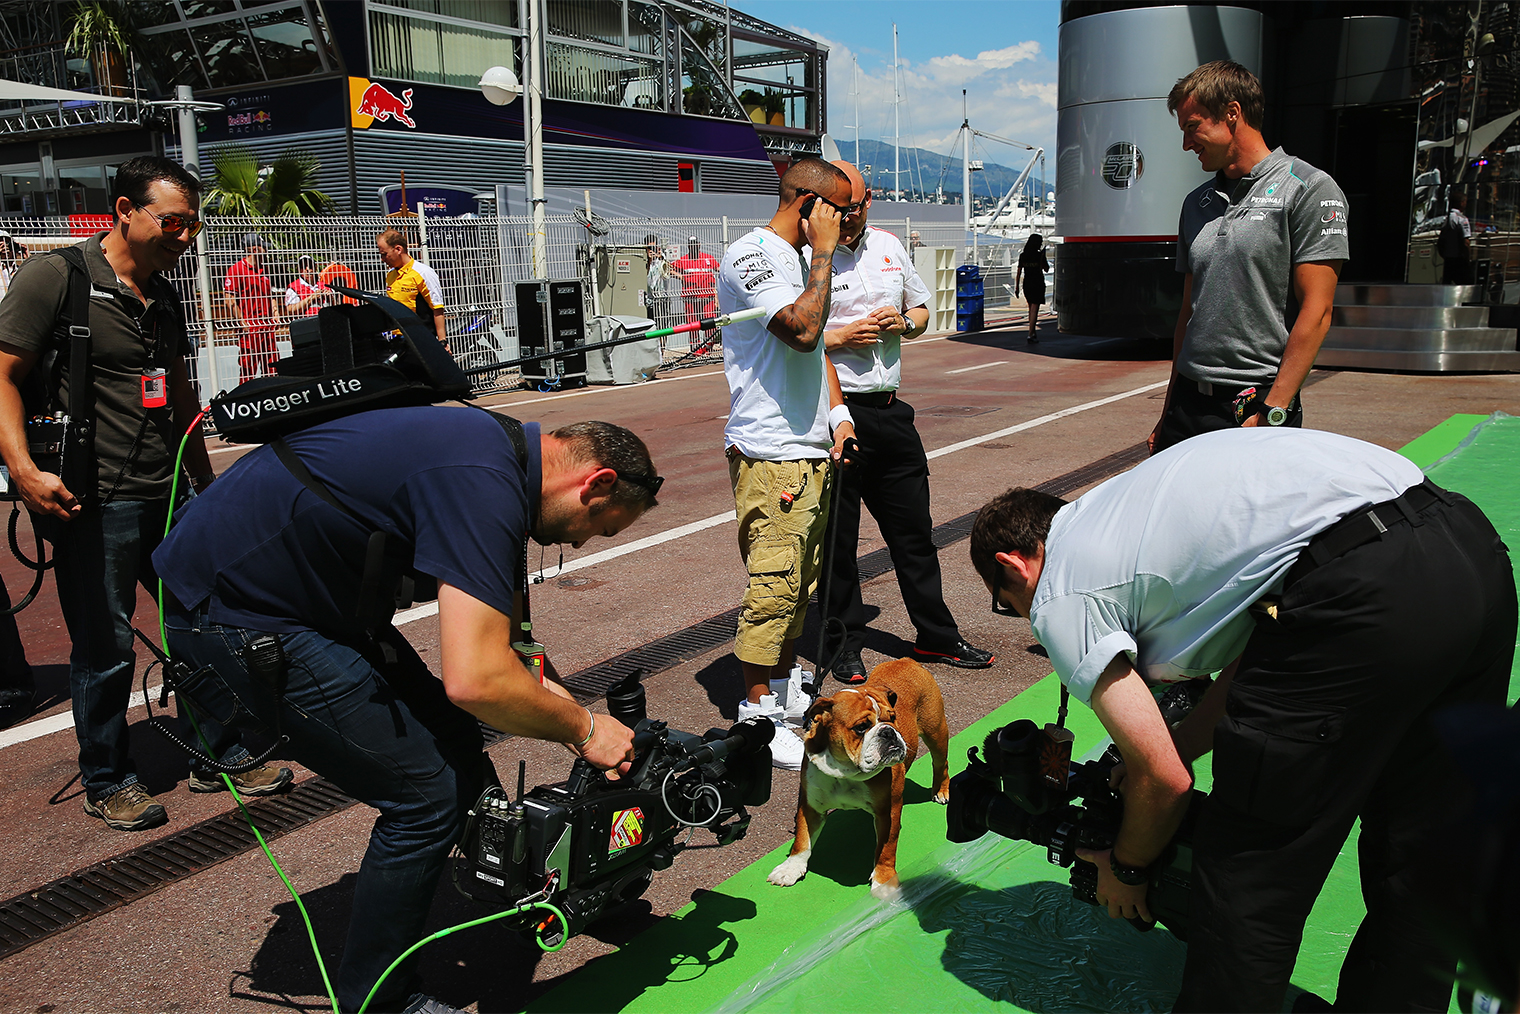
{"type": "Point", "coordinates": [657, 286]}
{"type": "Point", "coordinates": [248, 293]}
{"type": "Point", "coordinates": [1031, 270]}
{"type": "Point", "coordinates": [1454, 243]}
{"type": "Point", "coordinates": [303, 298]}
{"type": "Point", "coordinates": [412, 283]}
{"type": "Point", "coordinates": [698, 272]}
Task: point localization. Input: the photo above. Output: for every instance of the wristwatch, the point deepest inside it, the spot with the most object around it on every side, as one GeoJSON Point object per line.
{"type": "Point", "coordinates": [1276, 416]}
{"type": "Point", "coordinates": [1134, 876]}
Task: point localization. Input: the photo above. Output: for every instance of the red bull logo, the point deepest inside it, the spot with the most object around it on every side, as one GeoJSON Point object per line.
{"type": "Point", "coordinates": [380, 103]}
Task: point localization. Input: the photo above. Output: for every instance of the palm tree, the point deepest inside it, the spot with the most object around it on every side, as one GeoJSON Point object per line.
{"type": "Point", "coordinates": [241, 188]}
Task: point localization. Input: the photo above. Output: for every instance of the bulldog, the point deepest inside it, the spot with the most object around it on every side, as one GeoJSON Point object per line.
{"type": "Point", "coordinates": [857, 746]}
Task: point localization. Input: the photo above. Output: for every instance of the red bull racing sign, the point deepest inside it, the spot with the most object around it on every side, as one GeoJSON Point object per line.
{"type": "Point", "coordinates": [372, 101]}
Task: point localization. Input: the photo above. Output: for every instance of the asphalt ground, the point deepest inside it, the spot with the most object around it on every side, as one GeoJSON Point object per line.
{"type": "Point", "coordinates": [229, 938]}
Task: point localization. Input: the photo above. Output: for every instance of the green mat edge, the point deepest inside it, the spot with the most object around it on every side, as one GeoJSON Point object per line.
{"type": "Point", "coordinates": [588, 988]}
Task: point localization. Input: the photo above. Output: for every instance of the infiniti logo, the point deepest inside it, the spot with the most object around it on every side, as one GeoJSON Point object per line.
{"type": "Point", "coordinates": [1123, 165]}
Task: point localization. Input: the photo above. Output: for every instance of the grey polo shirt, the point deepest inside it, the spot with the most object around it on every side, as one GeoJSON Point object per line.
{"type": "Point", "coordinates": [1162, 562]}
{"type": "Point", "coordinates": [1240, 240]}
{"type": "Point", "coordinates": [133, 445]}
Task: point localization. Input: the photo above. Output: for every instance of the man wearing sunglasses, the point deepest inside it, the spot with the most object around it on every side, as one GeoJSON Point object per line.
{"type": "Point", "coordinates": [878, 301]}
{"type": "Point", "coordinates": [1345, 600]}
{"type": "Point", "coordinates": [786, 420]}
{"type": "Point", "coordinates": [104, 529]}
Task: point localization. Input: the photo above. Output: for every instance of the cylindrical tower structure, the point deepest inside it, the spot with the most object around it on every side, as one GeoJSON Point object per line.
{"type": "Point", "coordinates": [1121, 173]}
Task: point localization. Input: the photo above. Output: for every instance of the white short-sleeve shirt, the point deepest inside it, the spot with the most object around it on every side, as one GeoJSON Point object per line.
{"type": "Point", "coordinates": [879, 273]}
{"type": "Point", "coordinates": [1162, 562]}
{"type": "Point", "coordinates": [778, 397]}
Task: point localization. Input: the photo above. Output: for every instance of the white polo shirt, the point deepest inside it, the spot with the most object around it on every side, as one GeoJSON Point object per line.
{"type": "Point", "coordinates": [1162, 562]}
{"type": "Point", "coordinates": [879, 273]}
{"type": "Point", "coordinates": [778, 397]}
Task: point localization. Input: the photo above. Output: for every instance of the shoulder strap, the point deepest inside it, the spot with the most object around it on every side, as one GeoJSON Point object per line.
{"type": "Point", "coordinates": [376, 588]}
{"type": "Point", "coordinates": [81, 464]}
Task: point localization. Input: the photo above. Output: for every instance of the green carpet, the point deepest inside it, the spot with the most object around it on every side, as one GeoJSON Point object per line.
{"type": "Point", "coordinates": [988, 926]}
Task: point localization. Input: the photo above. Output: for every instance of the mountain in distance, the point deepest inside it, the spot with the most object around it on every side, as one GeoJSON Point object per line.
{"type": "Point", "coordinates": [922, 164]}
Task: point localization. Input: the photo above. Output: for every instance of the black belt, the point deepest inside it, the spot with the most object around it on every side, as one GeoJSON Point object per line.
{"type": "Point", "coordinates": [1227, 393]}
{"type": "Point", "coordinates": [1367, 524]}
{"type": "Point", "coordinates": [871, 399]}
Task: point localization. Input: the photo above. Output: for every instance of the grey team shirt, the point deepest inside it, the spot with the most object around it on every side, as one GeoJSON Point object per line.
{"type": "Point", "coordinates": [1240, 240]}
{"type": "Point", "coordinates": [1161, 563]}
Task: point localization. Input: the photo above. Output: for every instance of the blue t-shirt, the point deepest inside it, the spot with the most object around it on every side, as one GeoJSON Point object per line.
{"type": "Point", "coordinates": [269, 555]}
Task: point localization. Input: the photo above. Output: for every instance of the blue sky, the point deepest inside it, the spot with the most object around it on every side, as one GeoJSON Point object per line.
{"type": "Point", "coordinates": [1003, 52]}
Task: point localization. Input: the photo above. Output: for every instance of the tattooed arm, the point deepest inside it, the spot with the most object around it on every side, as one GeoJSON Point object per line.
{"type": "Point", "coordinates": [800, 325]}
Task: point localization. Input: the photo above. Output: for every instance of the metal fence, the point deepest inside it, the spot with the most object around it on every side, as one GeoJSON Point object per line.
{"type": "Point", "coordinates": [478, 260]}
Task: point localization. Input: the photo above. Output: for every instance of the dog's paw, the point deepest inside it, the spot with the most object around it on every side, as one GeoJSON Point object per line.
{"type": "Point", "coordinates": [790, 871]}
{"type": "Point", "coordinates": [890, 891]}
{"type": "Point", "coordinates": [942, 796]}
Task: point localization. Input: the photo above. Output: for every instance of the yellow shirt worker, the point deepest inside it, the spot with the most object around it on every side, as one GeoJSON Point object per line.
{"type": "Point", "coordinates": [409, 281]}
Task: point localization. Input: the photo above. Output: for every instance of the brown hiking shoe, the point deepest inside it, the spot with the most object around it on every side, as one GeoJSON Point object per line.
{"type": "Point", "coordinates": [128, 809]}
{"type": "Point", "coordinates": [261, 781]}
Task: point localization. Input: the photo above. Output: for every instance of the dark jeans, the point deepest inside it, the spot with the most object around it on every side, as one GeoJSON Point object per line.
{"type": "Point", "coordinates": [103, 554]}
{"type": "Point", "coordinates": [1457, 271]}
{"type": "Point", "coordinates": [15, 674]}
{"type": "Point", "coordinates": [892, 480]}
{"type": "Point", "coordinates": [1192, 412]}
{"type": "Point", "coordinates": [388, 736]}
{"type": "Point", "coordinates": [1327, 721]}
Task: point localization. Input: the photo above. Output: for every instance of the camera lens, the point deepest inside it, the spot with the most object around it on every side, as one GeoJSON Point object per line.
{"type": "Point", "coordinates": [626, 699]}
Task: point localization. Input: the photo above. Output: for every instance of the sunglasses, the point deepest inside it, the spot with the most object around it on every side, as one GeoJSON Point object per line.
{"type": "Point", "coordinates": [997, 590]}
{"type": "Point", "coordinates": [650, 482]}
{"type": "Point", "coordinates": [175, 224]}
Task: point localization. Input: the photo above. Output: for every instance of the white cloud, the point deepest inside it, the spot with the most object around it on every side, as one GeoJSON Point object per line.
{"type": "Point", "coordinates": [1045, 91]}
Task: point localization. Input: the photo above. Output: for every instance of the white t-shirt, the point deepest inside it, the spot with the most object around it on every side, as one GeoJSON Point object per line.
{"type": "Point", "coordinates": [1162, 562]}
{"type": "Point", "coordinates": [878, 274]}
{"type": "Point", "coordinates": [778, 397]}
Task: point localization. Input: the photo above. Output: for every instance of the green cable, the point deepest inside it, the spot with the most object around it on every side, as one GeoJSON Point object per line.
{"type": "Point", "coordinates": [467, 925]}
{"type": "Point", "coordinates": [163, 638]}
{"type": "Point", "coordinates": [311, 934]}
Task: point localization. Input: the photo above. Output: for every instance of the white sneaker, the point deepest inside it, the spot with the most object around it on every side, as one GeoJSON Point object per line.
{"type": "Point", "coordinates": [791, 694]}
{"type": "Point", "coordinates": [786, 748]}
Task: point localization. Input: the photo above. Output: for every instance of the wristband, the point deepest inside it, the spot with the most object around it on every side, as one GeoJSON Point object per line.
{"type": "Point", "coordinates": [589, 732]}
{"type": "Point", "coordinates": [1134, 876]}
{"type": "Point", "coordinates": [838, 415]}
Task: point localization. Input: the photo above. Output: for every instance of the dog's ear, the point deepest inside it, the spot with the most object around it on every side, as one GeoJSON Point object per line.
{"type": "Point", "coordinates": [891, 698]}
{"type": "Point", "coordinates": [886, 704]}
{"type": "Point", "coordinates": [818, 715]}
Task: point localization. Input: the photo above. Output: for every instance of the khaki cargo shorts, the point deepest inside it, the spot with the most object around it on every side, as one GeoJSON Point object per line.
{"type": "Point", "coordinates": [782, 547]}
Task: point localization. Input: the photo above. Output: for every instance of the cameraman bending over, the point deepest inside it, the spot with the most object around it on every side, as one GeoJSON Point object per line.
{"type": "Point", "coordinates": [1345, 599]}
{"type": "Point", "coordinates": [261, 554]}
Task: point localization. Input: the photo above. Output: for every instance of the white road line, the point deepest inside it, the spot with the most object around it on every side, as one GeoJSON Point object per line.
{"type": "Point", "coordinates": [968, 369]}
{"type": "Point", "coordinates": [1042, 420]}
{"type": "Point", "coordinates": [57, 723]}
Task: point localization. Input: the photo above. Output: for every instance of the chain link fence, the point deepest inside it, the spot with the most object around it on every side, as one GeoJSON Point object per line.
{"type": "Point", "coordinates": [478, 261]}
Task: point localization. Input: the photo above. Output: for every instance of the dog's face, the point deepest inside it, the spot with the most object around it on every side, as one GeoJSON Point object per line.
{"type": "Point", "coordinates": [851, 735]}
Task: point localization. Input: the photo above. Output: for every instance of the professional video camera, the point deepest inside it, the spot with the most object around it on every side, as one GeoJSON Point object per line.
{"type": "Point", "coordinates": [1025, 787]}
{"type": "Point", "coordinates": [590, 843]}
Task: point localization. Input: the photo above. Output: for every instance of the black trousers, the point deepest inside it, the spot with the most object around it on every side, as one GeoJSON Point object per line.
{"type": "Point", "coordinates": [892, 480]}
{"type": "Point", "coordinates": [1328, 721]}
{"type": "Point", "coordinates": [1457, 272]}
{"type": "Point", "coordinates": [1192, 412]}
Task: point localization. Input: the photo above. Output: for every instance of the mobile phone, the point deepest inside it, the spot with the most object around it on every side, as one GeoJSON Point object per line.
{"type": "Point", "coordinates": [807, 206]}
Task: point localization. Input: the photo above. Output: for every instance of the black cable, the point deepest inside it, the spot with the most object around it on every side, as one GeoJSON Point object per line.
{"type": "Point", "coordinates": [831, 624]}
{"type": "Point", "coordinates": [40, 566]}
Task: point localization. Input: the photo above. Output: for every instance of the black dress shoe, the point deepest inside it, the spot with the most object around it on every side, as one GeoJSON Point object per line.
{"type": "Point", "coordinates": [849, 669]}
{"type": "Point", "coordinates": [960, 654]}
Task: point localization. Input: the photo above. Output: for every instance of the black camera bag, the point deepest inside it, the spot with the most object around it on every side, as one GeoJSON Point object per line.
{"type": "Point", "coordinates": [377, 354]}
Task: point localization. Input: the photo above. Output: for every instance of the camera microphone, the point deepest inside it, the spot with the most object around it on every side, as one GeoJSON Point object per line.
{"type": "Point", "coordinates": [744, 738]}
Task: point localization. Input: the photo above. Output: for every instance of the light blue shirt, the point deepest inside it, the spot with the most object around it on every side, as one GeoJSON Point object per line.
{"type": "Point", "coordinates": [1162, 562]}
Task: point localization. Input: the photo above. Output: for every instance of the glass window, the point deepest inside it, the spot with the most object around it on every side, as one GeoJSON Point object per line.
{"type": "Point", "coordinates": [170, 60]}
{"type": "Point", "coordinates": [766, 62]}
{"type": "Point", "coordinates": [285, 43]}
{"type": "Point", "coordinates": [711, 37]}
{"type": "Point", "coordinates": [703, 90]}
{"type": "Point", "coordinates": [147, 13]}
{"type": "Point", "coordinates": [489, 12]}
{"type": "Point", "coordinates": [645, 27]}
{"type": "Point", "coordinates": [405, 48]}
{"type": "Point", "coordinates": [586, 75]}
{"type": "Point", "coordinates": [206, 8]}
{"type": "Point", "coordinates": [591, 20]}
{"type": "Point", "coordinates": [227, 51]}
{"type": "Point", "coordinates": [413, 49]}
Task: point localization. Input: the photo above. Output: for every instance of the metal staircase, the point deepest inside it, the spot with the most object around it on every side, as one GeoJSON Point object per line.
{"type": "Point", "coordinates": [1418, 328]}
